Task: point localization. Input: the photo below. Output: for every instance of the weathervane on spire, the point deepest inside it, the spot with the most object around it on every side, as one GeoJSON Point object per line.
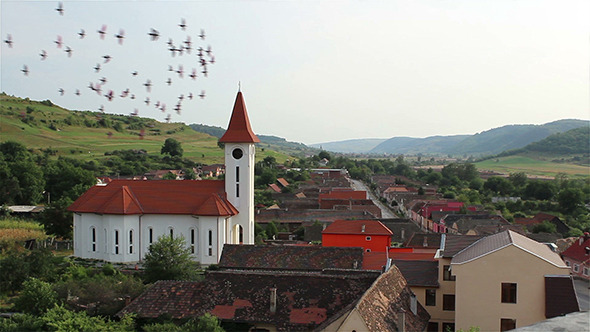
{"type": "Point", "coordinates": [239, 86]}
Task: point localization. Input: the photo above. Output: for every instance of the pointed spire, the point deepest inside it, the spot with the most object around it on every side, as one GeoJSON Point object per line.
{"type": "Point", "coordinates": [239, 130]}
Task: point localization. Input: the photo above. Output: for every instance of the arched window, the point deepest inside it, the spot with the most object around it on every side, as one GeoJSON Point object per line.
{"type": "Point", "coordinates": [210, 243]}
{"type": "Point", "coordinates": [193, 241]}
{"type": "Point", "coordinates": [130, 241]}
{"type": "Point", "coordinates": [150, 235]}
{"type": "Point", "coordinates": [93, 239]}
{"type": "Point", "coordinates": [116, 241]}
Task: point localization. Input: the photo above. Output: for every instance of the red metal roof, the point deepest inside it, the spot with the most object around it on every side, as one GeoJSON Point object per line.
{"type": "Point", "coordinates": [239, 130]}
{"type": "Point", "coordinates": [578, 250]}
{"type": "Point", "coordinates": [371, 227]}
{"type": "Point", "coordinates": [204, 197]}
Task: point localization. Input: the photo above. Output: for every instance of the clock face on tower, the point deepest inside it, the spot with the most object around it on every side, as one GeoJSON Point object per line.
{"type": "Point", "coordinates": [237, 153]}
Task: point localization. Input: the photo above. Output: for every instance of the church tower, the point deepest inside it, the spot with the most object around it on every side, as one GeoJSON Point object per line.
{"type": "Point", "coordinates": [240, 152]}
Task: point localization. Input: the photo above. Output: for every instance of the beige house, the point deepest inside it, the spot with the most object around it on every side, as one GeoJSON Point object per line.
{"type": "Point", "coordinates": [502, 282]}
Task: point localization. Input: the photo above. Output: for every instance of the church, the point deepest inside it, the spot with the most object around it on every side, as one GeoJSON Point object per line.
{"type": "Point", "coordinates": [118, 221]}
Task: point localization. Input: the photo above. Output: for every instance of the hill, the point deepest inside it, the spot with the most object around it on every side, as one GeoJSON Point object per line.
{"type": "Point", "coordinates": [266, 141]}
{"type": "Point", "coordinates": [87, 135]}
{"type": "Point", "coordinates": [489, 142]}
{"type": "Point", "coordinates": [361, 145]}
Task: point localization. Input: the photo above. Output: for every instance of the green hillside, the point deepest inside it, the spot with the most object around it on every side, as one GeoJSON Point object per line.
{"type": "Point", "coordinates": [87, 135]}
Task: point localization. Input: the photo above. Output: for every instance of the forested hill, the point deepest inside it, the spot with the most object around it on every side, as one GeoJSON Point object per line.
{"type": "Point", "coordinates": [575, 141]}
{"type": "Point", "coordinates": [266, 141]}
{"type": "Point", "coordinates": [489, 142]}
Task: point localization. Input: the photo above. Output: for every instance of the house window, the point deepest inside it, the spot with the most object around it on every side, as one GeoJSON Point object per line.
{"type": "Point", "coordinates": [193, 241]}
{"type": "Point", "coordinates": [507, 324]}
{"type": "Point", "coordinates": [567, 263]}
{"type": "Point", "coordinates": [93, 238]}
{"type": "Point", "coordinates": [508, 292]}
{"type": "Point", "coordinates": [150, 235]}
{"type": "Point", "coordinates": [368, 250]}
{"type": "Point", "coordinates": [368, 238]}
{"type": "Point", "coordinates": [447, 273]}
{"type": "Point", "coordinates": [448, 327]}
{"type": "Point", "coordinates": [431, 297]}
{"type": "Point", "coordinates": [171, 230]}
{"type": "Point", "coordinates": [130, 241]}
{"type": "Point", "coordinates": [576, 268]}
{"type": "Point", "coordinates": [105, 241]}
{"type": "Point", "coordinates": [586, 271]}
{"type": "Point", "coordinates": [449, 302]}
{"type": "Point", "coordinates": [116, 242]}
{"type": "Point", "coordinates": [210, 238]}
{"type": "Point", "coordinates": [432, 327]}
{"type": "Point", "coordinates": [237, 173]}
{"type": "Point", "coordinates": [237, 190]}
{"type": "Point", "coordinates": [413, 304]}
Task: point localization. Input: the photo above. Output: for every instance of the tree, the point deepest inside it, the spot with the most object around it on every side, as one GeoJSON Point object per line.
{"type": "Point", "coordinates": [498, 185]}
{"type": "Point", "coordinates": [209, 323]}
{"type": "Point", "coordinates": [569, 199]}
{"type": "Point", "coordinates": [36, 297]}
{"type": "Point", "coordinates": [169, 259]}
{"type": "Point", "coordinates": [169, 176]}
{"type": "Point", "coordinates": [324, 154]}
{"type": "Point", "coordinates": [545, 227]}
{"type": "Point", "coordinates": [172, 147]}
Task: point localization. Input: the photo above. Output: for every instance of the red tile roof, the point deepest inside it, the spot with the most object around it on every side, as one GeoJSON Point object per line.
{"type": "Point", "coordinates": [578, 250]}
{"type": "Point", "coordinates": [239, 130]}
{"type": "Point", "coordinates": [348, 194]}
{"type": "Point", "coordinates": [371, 227]}
{"type": "Point", "coordinates": [205, 198]}
{"type": "Point", "coordinates": [282, 182]}
{"type": "Point", "coordinates": [274, 188]}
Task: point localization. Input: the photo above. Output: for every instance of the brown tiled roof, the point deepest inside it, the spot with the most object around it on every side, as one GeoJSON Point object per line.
{"type": "Point", "coordinates": [368, 227]}
{"type": "Point", "coordinates": [560, 296]}
{"type": "Point", "coordinates": [419, 273]}
{"type": "Point", "coordinates": [578, 250]}
{"type": "Point", "coordinates": [422, 240]}
{"type": "Point", "coordinates": [282, 182]}
{"type": "Point", "coordinates": [452, 243]}
{"type": "Point", "coordinates": [284, 257]}
{"type": "Point", "coordinates": [498, 241]}
{"type": "Point", "coordinates": [274, 187]}
{"type": "Point", "coordinates": [303, 301]}
{"type": "Point", "coordinates": [381, 306]}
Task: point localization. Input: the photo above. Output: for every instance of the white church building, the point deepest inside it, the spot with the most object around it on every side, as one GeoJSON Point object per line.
{"type": "Point", "coordinates": [118, 221]}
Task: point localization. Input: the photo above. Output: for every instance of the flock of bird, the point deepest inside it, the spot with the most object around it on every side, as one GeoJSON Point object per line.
{"type": "Point", "coordinates": [205, 58]}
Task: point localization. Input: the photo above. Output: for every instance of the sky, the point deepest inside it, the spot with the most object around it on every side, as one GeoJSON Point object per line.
{"type": "Point", "coordinates": [311, 71]}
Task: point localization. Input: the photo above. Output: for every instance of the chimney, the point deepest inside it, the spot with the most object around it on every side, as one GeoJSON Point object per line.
{"type": "Point", "coordinates": [363, 228]}
{"type": "Point", "coordinates": [273, 300]}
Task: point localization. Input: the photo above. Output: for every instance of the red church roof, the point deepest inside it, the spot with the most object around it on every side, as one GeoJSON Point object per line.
{"type": "Point", "coordinates": [364, 227]}
{"type": "Point", "coordinates": [204, 198]}
{"type": "Point", "coordinates": [239, 130]}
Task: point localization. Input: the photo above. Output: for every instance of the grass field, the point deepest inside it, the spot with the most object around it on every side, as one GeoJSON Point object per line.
{"type": "Point", "coordinates": [80, 135]}
{"type": "Point", "coordinates": [531, 166]}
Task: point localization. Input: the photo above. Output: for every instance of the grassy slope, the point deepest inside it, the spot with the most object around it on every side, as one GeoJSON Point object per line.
{"type": "Point", "coordinates": [80, 141]}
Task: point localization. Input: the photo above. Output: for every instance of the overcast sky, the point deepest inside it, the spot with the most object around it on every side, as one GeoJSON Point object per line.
{"type": "Point", "coordinates": [313, 71]}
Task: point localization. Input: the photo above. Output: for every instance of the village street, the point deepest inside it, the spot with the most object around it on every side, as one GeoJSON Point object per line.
{"type": "Point", "coordinates": [386, 213]}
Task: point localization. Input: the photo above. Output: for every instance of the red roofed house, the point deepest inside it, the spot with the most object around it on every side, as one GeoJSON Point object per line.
{"type": "Point", "coordinates": [118, 221]}
{"type": "Point", "coordinates": [577, 257]}
{"type": "Point", "coordinates": [371, 235]}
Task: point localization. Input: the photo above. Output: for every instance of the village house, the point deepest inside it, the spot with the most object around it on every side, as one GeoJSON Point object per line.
{"type": "Point", "coordinates": [118, 221]}
{"type": "Point", "coordinates": [371, 235]}
{"type": "Point", "coordinates": [577, 257]}
{"type": "Point", "coordinates": [539, 218]}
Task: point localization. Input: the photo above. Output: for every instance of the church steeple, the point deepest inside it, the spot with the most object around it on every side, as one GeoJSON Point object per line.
{"type": "Point", "coordinates": [239, 130]}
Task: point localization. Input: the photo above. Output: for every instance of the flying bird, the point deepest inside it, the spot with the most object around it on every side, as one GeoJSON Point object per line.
{"type": "Point", "coordinates": [43, 54]}
{"type": "Point", "coordinates": [61, 91]}
{"type": "Point", "coordinates": [182, 24]}
{"type": "Point", "coordinates": [134, 73]}
{"type": "Point", "coordinates": [120, 36]}
{"type": "Point", "coordinates": [154, 34]}
{"type": "Point", "coordinates": [103, 80]}
{"type": "Point", "coordinates": [110, 95]}
{"type": "Point", "coordinates": [169, 81]}
{"type": "Point", "coordinates": [135, 112]}
{"type": "Point", "coordinates": [25, 70]}
{"type": "Point", "coordinates": [148, 85]}
{"type": "Point", "coordinates": [107, 58]}
{"type": "Point", "coordinates": [168, 117]}
{"type": "Point", "coordinates": [60, 8]}
{"type": "Point", "coordinates": [170, 68]}
{"type": "Point", "coordinates": [103, 31]}
{"type": "Point", "coordinates": [202, 95]}
{"type": "Point", "coordinates": [101, 108]}
{"type": "Point", "coordinates": [97, 68]}
{"type": "Point", "coordinates": [8, 40]}
{"type": "Point", "coordinates": [58, 42]}
{"type": "Point", "coordinates": [132, 96]}
{"type": "Point", "coordinates": [193, 74]}
{"type": "Point", "coordinates": [212, 60]}
{"type": "Point", "coordinates": [77, 92]}
{"type": "Point", "coordinates": [69, 51]}
{"type": "Point", "coordinates": [147, 101]}
{"type": "Point", "coordinates": [82, 33]}
{"type": "Point", "coordinates": [202, 35]}
{"type": "Point", "coordinates": [180, 71]}
{"type": "Point", "coordinates": [190, 96]}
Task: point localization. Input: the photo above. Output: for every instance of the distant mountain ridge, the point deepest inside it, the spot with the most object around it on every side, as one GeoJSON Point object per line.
{"type": "Point", "coordinates": [488, 142]}
{"type": "Point", "coordinates": [360, 145]}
